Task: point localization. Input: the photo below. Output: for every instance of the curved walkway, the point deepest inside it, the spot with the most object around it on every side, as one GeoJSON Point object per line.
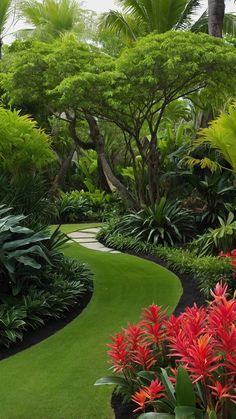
{"type": "Point", "coordinates": [54, 379]}
{"type": "Point", "coordinates": [87, 238]}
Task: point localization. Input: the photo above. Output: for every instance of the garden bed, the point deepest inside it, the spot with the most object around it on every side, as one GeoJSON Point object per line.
{"type": "Point", "coordinates": [32, 337]}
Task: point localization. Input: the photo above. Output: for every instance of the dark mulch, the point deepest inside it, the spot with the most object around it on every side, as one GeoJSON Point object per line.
{"type": "Point", "coordinates": [31, 337]}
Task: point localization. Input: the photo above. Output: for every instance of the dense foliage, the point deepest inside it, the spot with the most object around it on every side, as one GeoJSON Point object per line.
{"type": "Point", "coordinates": [37, 281]}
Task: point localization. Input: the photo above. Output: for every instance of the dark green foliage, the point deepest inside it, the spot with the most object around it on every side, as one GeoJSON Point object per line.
{"type": "Point", "coordinates": [21, 252]}
{"type": "Point", "coordinates": [214, 240]}
{"type": "Point", "coordinates": [28, 195]}
{"type": "Point", "coordinates": [215, 190]}
{"type": "Point", "coordinates": [165, 223]}
{"type": "Point", "coordinates": [208, 270]}
{"type": "Point", "coordinates": [37, 281]}
{"type": "Point", "coordinates": [77, 206]}
{"type": "Point", "coordinates": [12, 324]}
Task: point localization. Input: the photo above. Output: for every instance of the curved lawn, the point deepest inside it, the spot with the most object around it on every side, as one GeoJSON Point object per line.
{"type": "Point", "coordinates": [54, 379]}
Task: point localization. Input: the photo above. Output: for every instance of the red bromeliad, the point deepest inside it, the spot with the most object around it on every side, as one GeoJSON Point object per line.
{"type": "Point", "coordinates": [231, 255]}
{"type": "Point", "coordinates": [202, 340]}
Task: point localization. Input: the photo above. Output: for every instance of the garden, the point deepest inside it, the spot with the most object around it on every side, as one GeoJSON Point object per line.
{"type": "Point", "coordinates": [117, 210]}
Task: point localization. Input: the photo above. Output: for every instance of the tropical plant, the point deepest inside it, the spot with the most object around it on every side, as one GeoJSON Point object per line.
{"type": "Point", "coordinates": [214, 190]}
{"type": "Point", "coordinates": [21, 252]}
{"type": "Point", "coordinates": [182, 365]}
{"type": "Point", "coordinates": [164, 223]}
{"type": "Point", "coordinates": [6, 10]}
{"type": "Point", "coordinates": [221, 136]}
{"type": "Point", "coordinates": [12, 324]}
{"type": "Point", "coordinates": [81, 206]}
{"type": "Point", "coordinates": [139, 18]}
{"type": "Point", "coordinates": [29, 195]}
{"type": "Point", "coordinates": [52, 17]}
{"type": "Point", "coordinates": [23, 147]}
{"type": "Point", "coordinates": [214, 240]}
{"type": "Point", "coordinates": [230, 255]}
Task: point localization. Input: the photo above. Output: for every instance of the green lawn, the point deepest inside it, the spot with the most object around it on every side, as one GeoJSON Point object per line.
{"type": "Point", "coordinates": [54, 379]}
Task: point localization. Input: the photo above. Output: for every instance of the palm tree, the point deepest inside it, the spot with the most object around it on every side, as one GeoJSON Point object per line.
{"type": "Point", "coordinates": [52, 17]}
{"type": "Point", "coordinates": [5, 13]}
{"type": "Point", "coordinates": [216, 12]}
{"type": "Point", "coordinates": [140, 17]}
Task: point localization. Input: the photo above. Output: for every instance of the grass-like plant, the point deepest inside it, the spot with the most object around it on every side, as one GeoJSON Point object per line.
{"type": "Point", "coordinates": [165, 223]}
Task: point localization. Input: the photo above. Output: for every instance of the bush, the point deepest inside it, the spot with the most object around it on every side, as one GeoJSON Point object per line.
{"type": "Point", "coordinates": [38, 281]}
{"type": "Point", "coordinates": [221, 238]}
{"type": "Point", "coordinates": [166, 223]}
{"type": "Point", "coordinates": [183, 365]}
{"type": "Point", "coordinates": [77, 206]}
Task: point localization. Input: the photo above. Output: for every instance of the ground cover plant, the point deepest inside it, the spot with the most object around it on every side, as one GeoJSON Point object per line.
{"type": "Point", "coordinates": [184, 365]}
{"type": "Point", "coordinates": [62, 369]}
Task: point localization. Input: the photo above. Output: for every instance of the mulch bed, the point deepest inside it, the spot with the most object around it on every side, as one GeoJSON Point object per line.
{"type": "Point", "coordinates": [31, 337]}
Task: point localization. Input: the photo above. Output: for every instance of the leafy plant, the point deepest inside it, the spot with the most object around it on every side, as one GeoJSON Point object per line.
{"type": "Point", "coordinates": [221, 238]}
{"type": "Point", "coordinates": [181, 365]}
{"type": "Point", "coordinates": [165, 223]}
{"type": "Point", "coordinates": [20, 249]}
{"type": "Point", "coordinates": [12, 324]}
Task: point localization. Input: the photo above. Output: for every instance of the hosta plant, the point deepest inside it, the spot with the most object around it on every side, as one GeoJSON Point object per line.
{"type": "Point", "coordinates": [183, 366]}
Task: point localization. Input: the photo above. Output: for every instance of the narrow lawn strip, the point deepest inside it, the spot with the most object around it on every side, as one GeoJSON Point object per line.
{"type": "Point", "coordinates": [54, 379]}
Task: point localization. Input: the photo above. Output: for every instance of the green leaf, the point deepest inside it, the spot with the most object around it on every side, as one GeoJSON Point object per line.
{"type": "Point", "coordinates": [111, 380]}
{"type": "Point", "coordinates": [168, 386]}
{"type": "Point", "coordinates": [184, 389]}
{"type": "Point", "coordinates": [188, 412]}
{"type": "Point", "coordinates": [212, 415]}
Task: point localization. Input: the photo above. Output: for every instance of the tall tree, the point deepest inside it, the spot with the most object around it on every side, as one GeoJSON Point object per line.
{"type": "Point", "coordinates": [52, 17]}
{"type": "Point", "coordinates": [216, 12]}
{"type": "Point", "coordinates": [140, 17]}
{"type": "Point", "coordinates": [5, 12]}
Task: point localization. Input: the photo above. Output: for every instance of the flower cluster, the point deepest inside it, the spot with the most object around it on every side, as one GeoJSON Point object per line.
{"type": "Point", "coordinates": [230, 255]}
{"type": "Point", "coordinates": [201, 340]}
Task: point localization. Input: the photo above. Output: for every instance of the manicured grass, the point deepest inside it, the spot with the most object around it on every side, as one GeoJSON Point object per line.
{"type": "Point", "coordinates": [54, 379]}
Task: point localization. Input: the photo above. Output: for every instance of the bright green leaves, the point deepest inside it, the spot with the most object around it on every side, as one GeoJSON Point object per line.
{"type": "Point", "coordinates": [23, 147]}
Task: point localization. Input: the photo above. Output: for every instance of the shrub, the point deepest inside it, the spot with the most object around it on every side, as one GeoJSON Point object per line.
{"type": "Point", "coordinates": [184, 364]}
{"type": "Point", "coordinates": [38, 281]}
{"type": "Point", "coordinates": [78, 206]}
{"type": "Point", "coordinates": [166, 223]}
{"type": "Point", "coordinates": [221, 238]}
{"type": "Point", "coordinates": [207, 270]}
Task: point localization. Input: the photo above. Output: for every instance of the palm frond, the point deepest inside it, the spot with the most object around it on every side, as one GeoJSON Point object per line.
{"type": "Point", "coordinates": [118, 23]}
{"type": "Point", "coordinates": [188, 13]}
{"type": "Point", "coordinates": [5, 12]}
{"type": "Point", "coordinates": [229, 26]}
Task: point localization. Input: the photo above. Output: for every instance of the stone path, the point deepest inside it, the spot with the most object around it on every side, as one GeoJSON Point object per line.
{"type": "Point", "coordinates": [87, 238]}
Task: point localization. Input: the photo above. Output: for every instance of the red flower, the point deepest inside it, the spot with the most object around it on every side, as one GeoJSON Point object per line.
{"type": "Point", "coordinates": [220, 290]}
{"type": "Point", "coordinates": [140, 397]}
{"type": "Point", "coordinates": [220, 391]}
{"type": "Point", "coordinates": [133, 335]}
{"type": "Point", "coordinates": [233, 252]}
{"type": "Point", "coordinates": [156, 390]}
{"type": "Point", "coordinates": [119, 353]}
{"type": "Point", "coordinates": [153, 314]}
{"type": "Point", "coordinates": [143, 356]}
{"type": "Point", "coordinates": [200, 359]}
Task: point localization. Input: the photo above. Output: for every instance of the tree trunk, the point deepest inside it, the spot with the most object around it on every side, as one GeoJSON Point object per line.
{"type": "Point", "coordinates": [103, 184]}
{"type": "Point", "coordinates": [153, 169]}
{"type": "Point", "coordinates": [112, 180]}
{"type": "Point", "coordinates": [216, 12]}
{"type": "Point", "coordinates": [59, 180]}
